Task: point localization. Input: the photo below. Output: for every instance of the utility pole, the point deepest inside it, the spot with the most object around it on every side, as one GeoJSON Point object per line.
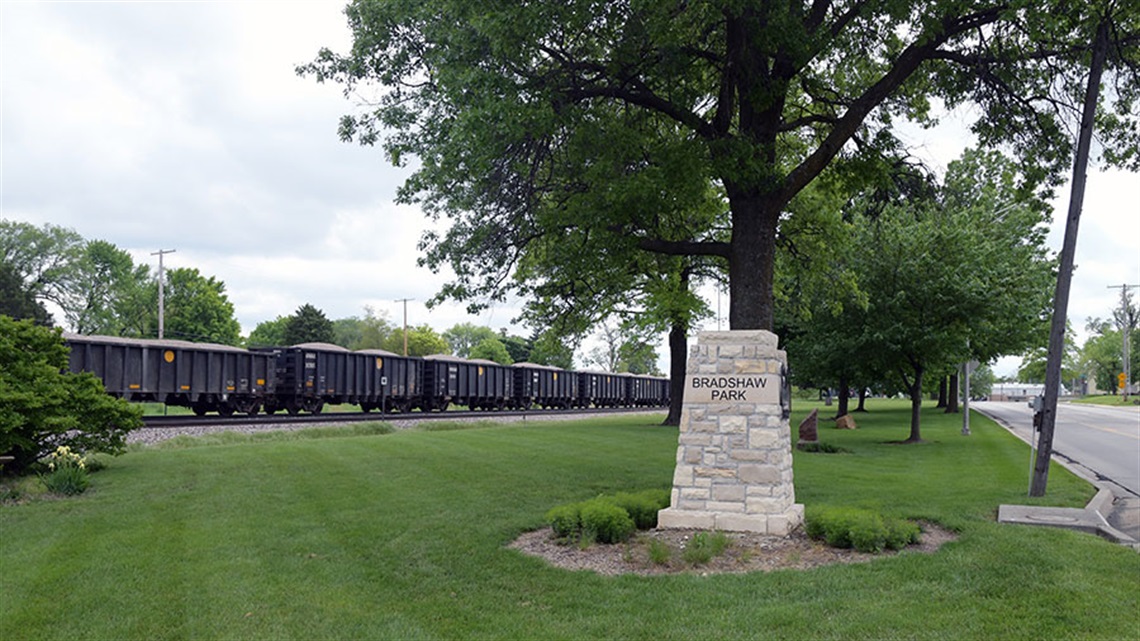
{"type": "Point", "coordinates": [405, 302]}
{"type": "Point", "coordinates": [1126, 323]}
{"type": "Point", "coordinates": [161, 287]}
{"type": "Point", "coordinates": [1046, 417]}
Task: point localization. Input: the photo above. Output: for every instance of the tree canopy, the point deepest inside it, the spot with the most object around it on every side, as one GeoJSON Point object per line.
{"type": "Point", "coordinates": [308, 325]}
{"type": "Point", "coordinates": [496, 100]}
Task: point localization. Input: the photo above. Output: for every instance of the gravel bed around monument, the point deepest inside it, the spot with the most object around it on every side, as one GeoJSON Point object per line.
{"type": "Point", "coordinates": [745, 553]}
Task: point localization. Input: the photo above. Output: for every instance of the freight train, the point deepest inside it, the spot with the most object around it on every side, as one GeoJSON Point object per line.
{"type": "Point", "coordinates": [304, 378]}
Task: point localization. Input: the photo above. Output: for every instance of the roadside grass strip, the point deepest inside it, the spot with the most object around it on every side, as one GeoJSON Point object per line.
{"type": "Point", "coordinates": [401, 535]}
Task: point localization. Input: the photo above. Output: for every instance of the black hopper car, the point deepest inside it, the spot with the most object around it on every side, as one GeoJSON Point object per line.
{"type": "Point", "coordinates": [304, 378]}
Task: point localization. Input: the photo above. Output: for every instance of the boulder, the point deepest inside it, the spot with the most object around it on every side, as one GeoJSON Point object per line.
{"type": "Point", "coordinates": [809, 432]}
{"type": "Point", "coordinates": [846, 422]}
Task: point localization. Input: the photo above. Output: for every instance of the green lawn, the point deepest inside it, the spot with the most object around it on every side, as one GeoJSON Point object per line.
{"type": "Point", "coordinates": [401, 536]}
{"type": "Point", "coordinates": [1109, 399]}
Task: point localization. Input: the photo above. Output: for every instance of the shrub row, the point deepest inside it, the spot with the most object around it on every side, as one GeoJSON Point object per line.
{"type": "Point", "coordinates": [864, 530]}
{"type": "Point", "coordinates": [608, 518]}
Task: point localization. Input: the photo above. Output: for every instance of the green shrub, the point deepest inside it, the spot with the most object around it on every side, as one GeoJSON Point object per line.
{"type": "Point", "coordinates": [864, 530]}
{"type": "Point", "coordinates": [565, 520]}
{"type": "Point", "coordinates": [606, 521]}
{"type": "Point", "coordinates": [643, 507]}
{"type": "Point", "coordinates": [705, 546]}
{"type": "Point", "coordinates": [901, 533]}
{"type": "Point", "coordinates": [659, 552]}
{"type": "Point", "coordinates": [46, 406]}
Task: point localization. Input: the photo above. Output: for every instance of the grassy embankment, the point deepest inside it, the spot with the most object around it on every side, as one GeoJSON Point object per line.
{"type": "Point", "coordinates": [1109, 399]}
{"type": "Point", "coordinates": [401, 536]}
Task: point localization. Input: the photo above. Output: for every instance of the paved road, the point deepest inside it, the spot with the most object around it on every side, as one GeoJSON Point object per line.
{"type": "Point", "coordinates": [1103, 440]}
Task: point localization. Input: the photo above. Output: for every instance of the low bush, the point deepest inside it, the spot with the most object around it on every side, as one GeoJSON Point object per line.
{"type": "Point", "coordinates": [608, 519]}
{"type": "Point", "coordinates": [565, 520]}
{"type": "Point", "coordinates": [643, 507]}
{"type": "Point", "coordinates": [864, 530]}
{"type": "Point", "coordinates": [606, 522]}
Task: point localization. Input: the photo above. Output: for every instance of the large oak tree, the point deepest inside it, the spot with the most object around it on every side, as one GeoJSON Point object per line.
{"type": "Point", "coordinates": [765, 96]}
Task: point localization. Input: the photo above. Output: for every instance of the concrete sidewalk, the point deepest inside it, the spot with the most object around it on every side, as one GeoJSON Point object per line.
{"type": "Point", "coordinates": [1113, 513]}
{"type": "Point", "coordinates": [1115, 518]}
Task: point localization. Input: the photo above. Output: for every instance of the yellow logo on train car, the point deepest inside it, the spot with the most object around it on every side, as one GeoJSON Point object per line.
{"type": "Point", "coordinates": [261, 381]}
{"type": "Point", "coordinates": [168, 356]}
{"type": "Point", "coordinates": [134, 386]}
{"type": "Point", "coordinates": [555, 375]}
{"type": "Point", "coordinates": [379, 363]}
{"type": "Point", "coordinates": [480, 370]}
{"type": "Point", "coordinates": [185, 387]}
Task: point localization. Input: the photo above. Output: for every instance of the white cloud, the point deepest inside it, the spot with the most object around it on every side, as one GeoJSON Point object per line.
{"type": "Point", "coordinates": [158, 125]}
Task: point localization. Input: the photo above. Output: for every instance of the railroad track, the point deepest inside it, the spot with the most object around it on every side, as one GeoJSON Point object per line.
{"type": "Point", "coordinates": [177, 421]}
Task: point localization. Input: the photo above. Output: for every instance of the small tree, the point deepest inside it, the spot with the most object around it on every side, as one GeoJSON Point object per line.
{"type": "Point", "coordinates": [491, 349]}
{"type": "Point", "coordinates": [422, 341]}
{"type": "Point", "coordinates": [268, 333]}
{"type": "Point", "coordinates": [42, 406]}
{"type": "Point", "coordinates": [308, 325]}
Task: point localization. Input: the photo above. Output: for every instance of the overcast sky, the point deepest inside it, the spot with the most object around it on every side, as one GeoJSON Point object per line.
{"type": "Point", "coordinates": [181, 125]}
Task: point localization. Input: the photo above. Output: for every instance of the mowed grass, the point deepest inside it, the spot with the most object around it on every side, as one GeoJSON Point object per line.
{"type": "Point", "coordinates": [1109, 399]}
{"type": "Point", "coordinates": [401, 536]}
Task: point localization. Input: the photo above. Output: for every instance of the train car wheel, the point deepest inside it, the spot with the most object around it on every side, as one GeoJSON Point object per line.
{"type": "Point", "coordinates": [226, 409]}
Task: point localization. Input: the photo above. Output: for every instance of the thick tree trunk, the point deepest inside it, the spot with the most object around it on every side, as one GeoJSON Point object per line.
{"type": "Point", "coordinates": [952, 396]}
{"type": "Point", "coordinates": [862, 399]}
{"type": "Point", "coordinates": [941, 392]}
{"type": "Point", "coordinates": [678, 354]}
{"type": "Point", "coordinates": [751, 262]}
{"type": "Point", "coordinates": [844, 396]}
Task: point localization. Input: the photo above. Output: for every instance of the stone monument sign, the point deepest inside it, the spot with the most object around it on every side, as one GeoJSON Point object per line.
{"type": "Point", "coordinates": [734, 455]}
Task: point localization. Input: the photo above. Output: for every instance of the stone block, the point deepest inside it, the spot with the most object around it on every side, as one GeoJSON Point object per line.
{"type": "Point", "coordinates": [720, 507]}
{"type": "Point", "coordinates": [725, 492]}
{"type": "Point", "coordinates": [784, 524]}
{"type": "Point", "coordinates": [713, 472]}
{"type": "Point", "coordinates": [732, 425]}
{"type": "Point", "coordinates": [692, 493]}
{"type": "Point", "coordinates": [739, 523]}
{"type": "Point", "coordinates": [846, 422]}
{"type": "Point", "coordinates": [685, 519]}
{"type": "Point", "coordinates": [683, 476]}
{"type": "Point", "coordinates": [770, 505]}
{"type": "Point", "coordinates": [754, 474]}
{"type": "Point", "coordinates": [763, 437]}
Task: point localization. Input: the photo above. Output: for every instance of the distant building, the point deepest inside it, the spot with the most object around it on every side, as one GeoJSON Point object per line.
{"type": "Point", "coordinates": [1019, 391]}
